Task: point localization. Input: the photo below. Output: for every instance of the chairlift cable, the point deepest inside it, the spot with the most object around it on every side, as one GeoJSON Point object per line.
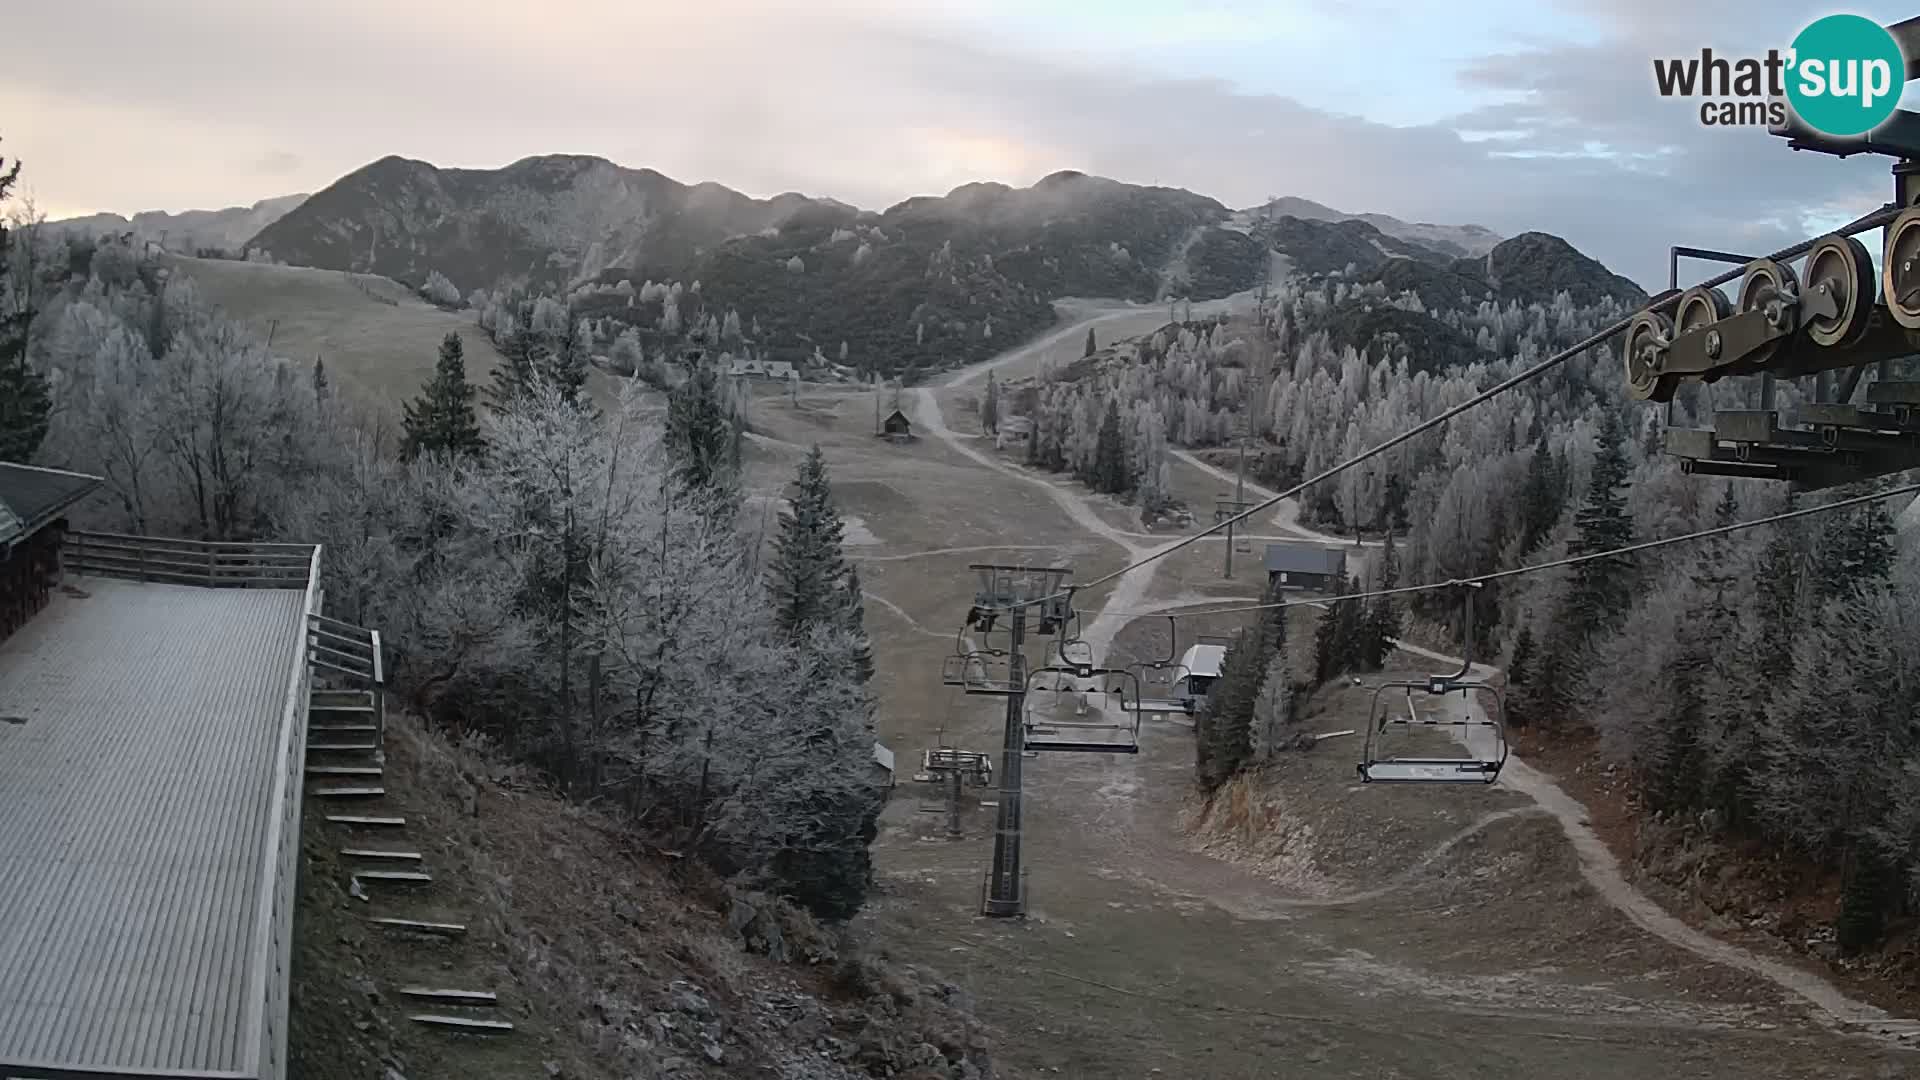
{"type": "Point", "coordinates": [1786, 254]}
{"type": "Point", "coordinates": [1858, 500]}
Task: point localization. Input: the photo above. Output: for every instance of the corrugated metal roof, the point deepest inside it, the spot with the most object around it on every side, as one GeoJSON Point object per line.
{"type": "Point", "coordinates": [133, 820]}
{"type": "Point", "coordinates": [31, 496]}
{"type": "Point", "coordinates": [1305, 559]}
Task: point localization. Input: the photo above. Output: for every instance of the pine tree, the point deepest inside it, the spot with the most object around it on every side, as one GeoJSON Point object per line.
{"type": "Point", "coordinates": [1092, 347]}
{"type": "Point", "coordinates": [810, 580]}
{"type": "Point", "coordinates": [1330, 643]}
{"type": "Point", "coordinates": [1273, 709]}
{"type": "Point", "coordinates": [1229, 707]}
{"type": "Point", "coordinates": [319, 379]}
{"type": "Point", "coordinates": [990, 407]}
{"type": "Point", "coordinates": [1381, 624]}
{"type": "Point", "coordinates": [703, 434]}
{"type": "Point", "coordinates": [853, 618]}
{"type": "Point", "coordinates": [1602, 587]}
{"type": "Point", "coordinates": [1110, 472]}
{"type": "Point", "coordinates": [441, 420]}
{"type": "Point", "coordinates": [1539, 498]}
{"type": "Point", "coordinates": [1520, 678]}
{"type": "Point", "coordinates": [567, 362]}
{"type": "Point", "coordinates": [1856, 548]}
{"type": "Point", "coordinates": [25, 403]}
{"type": "Point", "coordinates": [525, 355]}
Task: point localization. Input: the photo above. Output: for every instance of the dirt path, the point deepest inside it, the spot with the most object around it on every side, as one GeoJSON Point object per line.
{"type": "Point", "coordinates": [1286, 513]}
{"type": "Point", "coordinates": [1602, 871]}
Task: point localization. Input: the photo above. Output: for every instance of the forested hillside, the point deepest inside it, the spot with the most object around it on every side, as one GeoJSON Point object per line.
{"type": "Point", "coordinates": [572, 586]}
{"type": "Point", "coordinates": [1755, 691]}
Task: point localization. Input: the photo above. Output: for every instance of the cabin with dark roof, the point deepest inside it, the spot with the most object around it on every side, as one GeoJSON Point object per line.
{"type": "Point", "coordinates": [1304, 566]}
{"type": "Point", "coordinates": [896, 427]}
{"type": "Point", "coordinates": [33, 525]}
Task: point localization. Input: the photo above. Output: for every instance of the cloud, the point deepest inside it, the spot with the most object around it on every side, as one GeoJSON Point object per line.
{"type": "Point", "coordinates": [871, 102]}
{"type": "Point", "coordinates": [277, 163]}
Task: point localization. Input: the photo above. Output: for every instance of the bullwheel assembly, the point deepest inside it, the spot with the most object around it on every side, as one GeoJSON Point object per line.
{"type": "Point", "coordinates": [1900, 271]}
{"type": "Point", "coordinates": [1839, 269]}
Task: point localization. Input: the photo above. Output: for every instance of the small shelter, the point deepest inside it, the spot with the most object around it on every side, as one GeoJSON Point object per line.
{"type": "Point", "coordinates": [1199, 667]}
{"type": "Point", "coordinates": [896, 427]}
{"type": "Point", "coordinates": [1304, 566]}
{"type": "Point", "coordinates": [32, 528]}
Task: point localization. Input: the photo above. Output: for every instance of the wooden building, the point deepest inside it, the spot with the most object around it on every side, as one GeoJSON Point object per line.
{"type": "Point", "coordinates": [33, 502]}
{"type": "Point", "coordinates": [896, 427]}
{"type": "Point", "coordinates": [1304, 566]}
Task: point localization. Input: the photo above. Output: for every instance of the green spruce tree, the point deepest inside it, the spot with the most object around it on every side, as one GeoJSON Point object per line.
{"type": "Point", "coordinates": [442, 420]}
{"type": "Point", "coordinates": [703, 433]}
{"type": "Point", "coordinates": [1381, 623]}
{"type": "Point", "coordinates": [1092, 346]}
{"type": "Point", "coordinates": [990, 407]}
{"type": "Point", "coordinates": [1520, 678]}
{"type": "Point", "coordinates": [811, 582]}
{"type": "Point", "coordinates": [1110, 470]}
{"type": "Point", "coordinates": [525, 356]}
{"type": "Point", "coordinates": [25, 404]}
{"type": "Point", "coordinates": [1539, 498]}
{"type": "Point", "coordinates": [1602, 588]}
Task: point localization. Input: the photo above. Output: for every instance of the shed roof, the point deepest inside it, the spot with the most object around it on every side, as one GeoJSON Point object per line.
{"type": "Point", "coordinates": [1305, 559]}
{"type": "Point", "coordinates": [31, 496]}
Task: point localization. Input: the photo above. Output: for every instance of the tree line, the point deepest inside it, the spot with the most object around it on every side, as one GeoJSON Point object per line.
{"type": "Point", "coordinates": [578, 583]}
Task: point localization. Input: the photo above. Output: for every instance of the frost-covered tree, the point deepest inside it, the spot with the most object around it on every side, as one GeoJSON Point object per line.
{"type": "Point", "coordinates": [810, 580]}
{"type": "Point", "coordinates": [440, 290]}
{"type": "Point", "coordinates": [703, 431]}
{"type": "Point", "coordinates": [24, 401]}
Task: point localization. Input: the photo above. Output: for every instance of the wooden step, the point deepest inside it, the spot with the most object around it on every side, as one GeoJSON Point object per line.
{"type": "Point", "coordinates": [342, 729]}
{"type": "Point", "coordinates": [438, 929]}
{"type": "Point", "coordinates": [343, 770]}
{"type": "Point", "coordinates": [339, 697]}
{"type": "Point", "coordinates": [354, 746]}
{"type": "Point", "coordinates": [350, 792]}
{"type": "Point", "coordinates": [450, 997]}
{"type": "Point", "coordinates": [463, 1023]}
{"type": "Point", "coordinates": [316, 707]}
{"type": "Point", "coordinates": [357, 821]}
{"type": "Point", "coordinates": [395, 877]}
{"type": "Point", "coordinates": [380, 855]}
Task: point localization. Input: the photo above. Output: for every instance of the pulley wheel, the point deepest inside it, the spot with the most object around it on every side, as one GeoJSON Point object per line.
{"type": "Point", "coordinates": [1699, 307]}
{"type": "Point", "coordinates": [1900, 273]}
{"type": "Point", "coordinates": [1646, 341]}
{"type": "Point", "coordinates": [1841, 265]}
{"type": "Point", "coordinates": [1765, 282]}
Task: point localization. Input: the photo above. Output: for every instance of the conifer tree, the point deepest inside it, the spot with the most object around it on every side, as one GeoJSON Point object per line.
{"type": "Point", "coordinates": [1110, 472]}
{"type": "Point", "coordinates": [525, 355]}
{"type": "Point", "coordinates": [319, 379]}
{"type": "Point", "coordinates": [703, 434]}
{"type": "Point", "coordinates": [1520, 678]}
{"type": "Point", "coordinates": [1539, 498]}
{"type": "Point", "coordinates": [441, 420]}
{"type": "Point", "coordinates": [1092, 347]}
{"type": "Point", "coordinates": [25, 404]}
{"type": "Point", "coordinates": [1602, 587]}
{"type": "Point", "coordinates": [990, 407]}
{"type": "Point", "coordinates": [1381, 623]}
{"type": "Point", "coordinates": [810, 580]}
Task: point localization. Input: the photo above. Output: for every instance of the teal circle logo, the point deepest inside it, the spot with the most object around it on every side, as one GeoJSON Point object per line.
{"type": "Point", "coordinates": [1846, 75]}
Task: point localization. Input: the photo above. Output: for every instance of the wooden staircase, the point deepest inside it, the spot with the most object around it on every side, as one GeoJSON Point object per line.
{"type": "Point", "coordinates": [346, 769]}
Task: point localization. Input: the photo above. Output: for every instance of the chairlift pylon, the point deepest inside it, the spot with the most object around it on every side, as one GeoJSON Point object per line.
{"type": "Point", "coordinates": [1485, 754]}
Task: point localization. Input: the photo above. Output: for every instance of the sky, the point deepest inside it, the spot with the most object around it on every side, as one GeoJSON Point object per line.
{"type": "Point", "coordinates": [1512, 114]}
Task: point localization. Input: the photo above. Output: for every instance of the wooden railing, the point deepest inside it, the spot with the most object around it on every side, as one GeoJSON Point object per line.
{"type": "Point", "coordinates": [216, 564]}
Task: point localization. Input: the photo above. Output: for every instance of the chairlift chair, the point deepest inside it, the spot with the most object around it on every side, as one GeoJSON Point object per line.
{"type": "Point", "coordinates": [1097, 732]}
{"type": "Point", "coordinates": [1485, 735]}
{"type": "Point", "coordinates": [978, 669]}
{"type": "Point", "coordinates": [1163, 676]}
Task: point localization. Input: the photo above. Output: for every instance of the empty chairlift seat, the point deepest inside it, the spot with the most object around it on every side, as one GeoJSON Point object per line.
{"type": "Point", "coordinates": [1475, 722]}
{"type": "Point", "coordinates": [1083, 709]}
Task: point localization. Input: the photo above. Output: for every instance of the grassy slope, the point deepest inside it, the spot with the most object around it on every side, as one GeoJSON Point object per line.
{"type": "Point", "coordinates": [383, 351]}
{"type": "Point", "coordinates": [610, 961]}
